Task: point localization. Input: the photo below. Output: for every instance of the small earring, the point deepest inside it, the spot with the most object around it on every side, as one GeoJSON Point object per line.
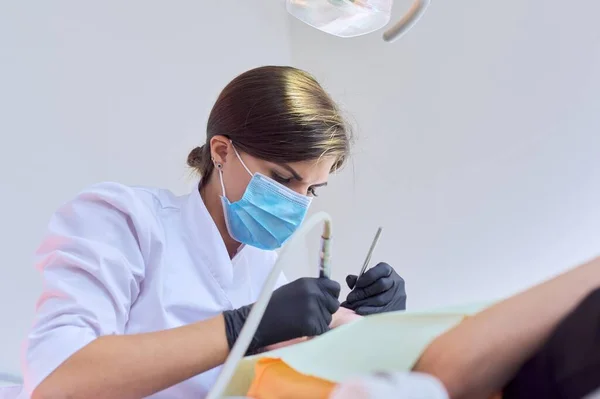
{"type": "Point", "coordinates": [219, 166]}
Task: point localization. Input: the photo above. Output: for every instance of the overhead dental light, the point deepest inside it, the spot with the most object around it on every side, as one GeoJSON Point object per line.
{"type": "Point", "coordinates": [350, 18]}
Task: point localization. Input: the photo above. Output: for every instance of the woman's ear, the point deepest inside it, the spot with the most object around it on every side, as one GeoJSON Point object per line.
{"type": "Point", "coordinates": [219, 149]}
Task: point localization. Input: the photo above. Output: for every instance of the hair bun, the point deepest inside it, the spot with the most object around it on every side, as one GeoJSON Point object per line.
{"type": "Point", "coordinates": [196, 157]}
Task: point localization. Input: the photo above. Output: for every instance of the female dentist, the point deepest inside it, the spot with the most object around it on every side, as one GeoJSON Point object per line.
{"type": "Point", "coordinates": [145, 292]}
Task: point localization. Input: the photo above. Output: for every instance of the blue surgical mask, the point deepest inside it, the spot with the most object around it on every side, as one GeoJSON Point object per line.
{"type": "Point", "coordinates": [267, 214]}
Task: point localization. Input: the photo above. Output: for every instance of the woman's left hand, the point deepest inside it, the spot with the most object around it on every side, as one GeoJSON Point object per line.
{"type": "Point", "coordinates": [379, 290]}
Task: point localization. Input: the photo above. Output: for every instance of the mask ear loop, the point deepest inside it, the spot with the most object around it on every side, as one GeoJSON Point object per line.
{"type": "Point", "coordinates": [240, 158]}
{"type": "Point", "coordinates": [219, 167]}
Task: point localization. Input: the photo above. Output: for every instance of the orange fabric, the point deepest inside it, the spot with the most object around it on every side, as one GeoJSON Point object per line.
{"type": "Point", "coordinates": [274, 379]}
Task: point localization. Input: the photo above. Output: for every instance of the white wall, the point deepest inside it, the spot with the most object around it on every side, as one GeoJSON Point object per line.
{"type": "Point", "coordinates": [479, 147]}
{"type": "Point", "coordinates": [93, 91]}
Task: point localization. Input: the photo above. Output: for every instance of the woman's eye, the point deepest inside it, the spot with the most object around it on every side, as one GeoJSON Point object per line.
{"type": "Point", "coordinates": [280, 179]}
{"type": "Point", "coordinates": [313, 191]}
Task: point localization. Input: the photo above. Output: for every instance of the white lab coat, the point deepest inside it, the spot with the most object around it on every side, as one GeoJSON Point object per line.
{"type": "Point", "coordinates": [127, 260]}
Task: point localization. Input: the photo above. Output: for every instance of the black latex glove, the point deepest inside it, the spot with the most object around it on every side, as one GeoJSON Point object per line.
{"type": "Point", "coordinates": [378, 290]}
{"type": "Point", "coordinates": [302, 308]}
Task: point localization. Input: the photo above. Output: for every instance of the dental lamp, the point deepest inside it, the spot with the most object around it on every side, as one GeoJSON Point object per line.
{"type": "Point", "coordinates": [351, 18]}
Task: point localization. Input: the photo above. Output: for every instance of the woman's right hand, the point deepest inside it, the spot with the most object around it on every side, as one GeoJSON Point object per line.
{"type": "Point", "coordinates": [301, 308]}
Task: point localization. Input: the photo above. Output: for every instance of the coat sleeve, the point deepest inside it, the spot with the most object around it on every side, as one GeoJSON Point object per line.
{"type": "Point", "coordinates": [92, 264]}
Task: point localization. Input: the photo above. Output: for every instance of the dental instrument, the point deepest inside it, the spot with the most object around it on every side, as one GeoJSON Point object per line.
{"type": "Point", "coordinates": [325, 255]}
{"type": "Point", "coordinates": [371, 249]}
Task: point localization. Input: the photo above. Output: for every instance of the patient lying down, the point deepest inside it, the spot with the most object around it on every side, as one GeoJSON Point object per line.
{"type": "Point", "coordinates": [541, 343]}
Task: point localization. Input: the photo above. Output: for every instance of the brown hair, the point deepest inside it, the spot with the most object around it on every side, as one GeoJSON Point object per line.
{"type": "Point", "coordinates": [275, 113]}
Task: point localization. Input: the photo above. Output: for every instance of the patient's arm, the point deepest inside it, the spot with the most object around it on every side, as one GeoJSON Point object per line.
{"type": "Point", "coordinates": [341, 317]}
{"type": "Point", "coordinates": [480, 355]}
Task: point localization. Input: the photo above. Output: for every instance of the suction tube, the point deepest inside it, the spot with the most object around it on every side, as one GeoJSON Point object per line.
{"type": "Point", "coordinates": [258, 309]}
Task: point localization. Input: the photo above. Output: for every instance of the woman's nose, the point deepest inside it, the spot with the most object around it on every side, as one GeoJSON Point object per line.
{"type": "Point", "coordinates": [300, 188]}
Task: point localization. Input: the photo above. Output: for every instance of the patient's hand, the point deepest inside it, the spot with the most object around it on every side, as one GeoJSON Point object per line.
{"type": "Point", "coordinates": [286, 343]}
{"type": "Point", "coordinates": [341, 317]}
